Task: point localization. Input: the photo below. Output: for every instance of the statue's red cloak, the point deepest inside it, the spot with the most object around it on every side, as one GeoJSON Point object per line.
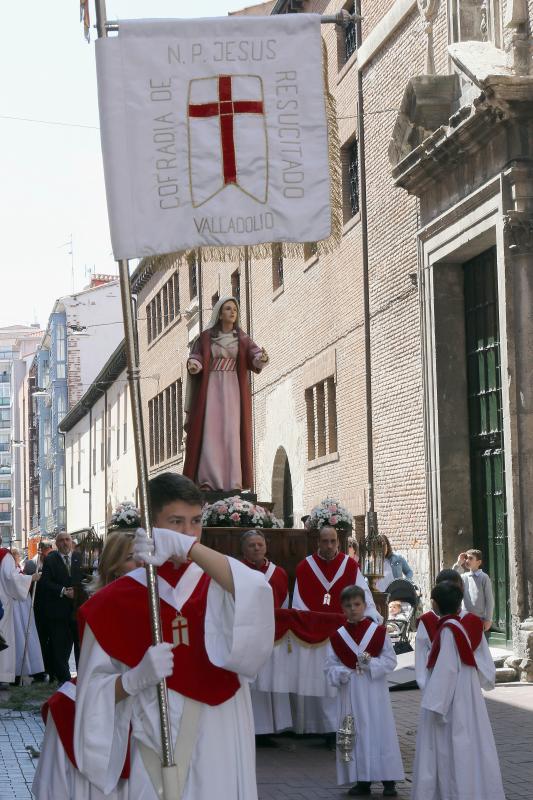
{"type": "Point", "coordinates": [196, 413]}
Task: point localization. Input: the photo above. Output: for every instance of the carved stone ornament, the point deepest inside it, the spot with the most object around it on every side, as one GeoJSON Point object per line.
{"type": "Point", "coordinates": [428, 10]}
{"type": "Point", "coordinates": [518, 227]}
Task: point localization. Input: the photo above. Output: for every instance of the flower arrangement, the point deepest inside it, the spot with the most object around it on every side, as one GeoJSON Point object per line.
{"type": "Point", "coordinates": [234, 512]}
{"type": "Point", "coordinates": [329, 512]}
{"type": "Point", "coordinates": [126, 515]}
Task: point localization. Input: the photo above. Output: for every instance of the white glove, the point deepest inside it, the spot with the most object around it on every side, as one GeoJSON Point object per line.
{"type": "Point", "coordinates": [156, 664]}
{"type": "Point", "coordinates": [168, 544]}
{"type": "Point", "coordinates": [344, 676]}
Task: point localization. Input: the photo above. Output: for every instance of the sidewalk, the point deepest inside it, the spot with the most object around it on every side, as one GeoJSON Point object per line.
{"type": "Point", "coordinates": [302, 768]}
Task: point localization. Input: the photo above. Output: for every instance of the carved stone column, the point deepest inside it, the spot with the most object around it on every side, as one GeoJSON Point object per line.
{"type": "Point", "coordinates": [518, 237]}
{"type": "Point", "coordinates": [428, 11]}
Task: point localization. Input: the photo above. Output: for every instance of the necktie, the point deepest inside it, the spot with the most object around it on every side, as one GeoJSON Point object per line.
{"type": "Point", "coordinates": [67, 563]}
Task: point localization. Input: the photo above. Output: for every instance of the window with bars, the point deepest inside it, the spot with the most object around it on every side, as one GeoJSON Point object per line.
{"type": "Point", "coordinates": [118, 426]}
{"type": "Point", "coordinates": [165, 424]}
{"type": "Point", "coordinates": [277, 266]}
{"type": "Point", "coordinates": [193, 275]}
{"type": "Point", "coordinates": [163, 308]}
{"type": "Point", "coordinates": [236, 285]}
{"type": "Point", "coordinates": [321, 412]}
{"type": "Point", "coordinates": [350, 179]}
{"type": "Point", "coordinates": [350, 34]}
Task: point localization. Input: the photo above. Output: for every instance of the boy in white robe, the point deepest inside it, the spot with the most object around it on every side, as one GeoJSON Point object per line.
{"type": "Point", "coordinates": [456, 757]}
{"type": "Point", "coordinates": [359, 658]}
{"type": "Point", "coordinates": [218, 630]}
{"type": "Point", "coordinates": [13, 586]}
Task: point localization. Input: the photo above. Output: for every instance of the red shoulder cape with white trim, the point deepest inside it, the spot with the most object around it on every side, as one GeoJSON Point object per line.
{"type": "Point", "coordinates": [466, 644]}
{"type": "Point", "coordinates": [357, 630]}
{"type": "Point", "coordinates": [278, 581]}
{"type": "Point", "coordinates": [118, 617]}
{"type": "Point", "coordinates": [312, 591]}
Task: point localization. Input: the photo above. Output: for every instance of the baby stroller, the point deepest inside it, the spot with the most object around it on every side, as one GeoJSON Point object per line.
{"type": "Point", "coordinates": [402, 628]}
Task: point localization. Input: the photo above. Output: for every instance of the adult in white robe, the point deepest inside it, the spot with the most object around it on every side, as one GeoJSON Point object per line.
{"type": "Point", "coordinates": [33, 662]}
{"type": "Point", "coordinates": [320, 578]}
{"type": "Point", "coordinates": [215, 744]}
{"type": "Point", "coordinates": [456, 757]}
{"type": "Point", "coordinates": [271, 710]}
{"type": "Point", "coordinates": [365, 693]}
{"type": "Point", "coordinates": [13, 586]}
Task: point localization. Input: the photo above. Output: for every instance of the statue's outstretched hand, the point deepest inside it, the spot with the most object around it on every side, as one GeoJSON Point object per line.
{"type": "Point", "coordinates": [193, 366]}
{"type": "Point", "coordinates": [164, 546]}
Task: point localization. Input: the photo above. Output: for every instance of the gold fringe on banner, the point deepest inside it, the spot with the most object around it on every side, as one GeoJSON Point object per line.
{"type": "Point", "coordinates": [288, 249]}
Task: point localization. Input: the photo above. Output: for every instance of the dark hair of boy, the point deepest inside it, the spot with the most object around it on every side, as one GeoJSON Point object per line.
{"type": "Point", "coordinates": [477, 554]}
{"type": "Point", "coordinates": [450, 575]}
{"type": "Point", "coordinates": [448, 597]}
{"type": "Point", "coordinates": [351, 593]}
{"type": "Point", "coordinates": [170, 487]}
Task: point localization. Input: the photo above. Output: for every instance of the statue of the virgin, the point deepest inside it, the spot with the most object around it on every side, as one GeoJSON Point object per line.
{"type": "Point", "coordinates": [218, 454]}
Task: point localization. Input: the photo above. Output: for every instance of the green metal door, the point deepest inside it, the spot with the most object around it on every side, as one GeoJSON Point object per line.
{"type": "Point", "coordinates": [486, 431]}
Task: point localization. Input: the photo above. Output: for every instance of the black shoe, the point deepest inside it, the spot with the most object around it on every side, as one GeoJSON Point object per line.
{"type": "Point", "coordinates": [361, 788]}
{"type": "Point", "coordinates": [389, 789]}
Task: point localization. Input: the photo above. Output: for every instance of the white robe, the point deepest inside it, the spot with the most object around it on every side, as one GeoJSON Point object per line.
{"type": "Point", "coordinates": [13, 586]}
{"type": "Point", "coordinates": [271, 710]}
{"type": "Point", "coordinates": [33, 662]}
{"type": "Point", "coordinates": [376, 752]}
{"type": "Point", "coordinates": [456, 757]}
{"type": "Point", "coordinates": [56, 778]}
{"type": "Point", "coordinates": [238, 636]}
{"type": "Point", "coordinates": [314, 707]}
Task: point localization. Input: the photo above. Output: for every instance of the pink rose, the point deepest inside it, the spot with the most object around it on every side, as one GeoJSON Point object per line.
{"type": "Point", "coordinates": [333, 519]}
{"type": "Point", "coordinates": [222, 509]}
{"type": "Point", "coordinates": [332, 509]}
{"type": "Point", "coordinates": [235, 517]}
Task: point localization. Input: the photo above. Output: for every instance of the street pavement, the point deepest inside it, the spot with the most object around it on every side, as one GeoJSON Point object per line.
{"type": "Point", "coordinates": [301, 768]}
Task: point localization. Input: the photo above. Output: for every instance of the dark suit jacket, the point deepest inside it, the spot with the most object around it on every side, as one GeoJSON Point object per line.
{"type": "Point", "coordinates": [54, 577]}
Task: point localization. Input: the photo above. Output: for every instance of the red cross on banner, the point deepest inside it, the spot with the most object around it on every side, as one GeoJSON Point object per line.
{"type": "Point", "coordinates": [227, 162]}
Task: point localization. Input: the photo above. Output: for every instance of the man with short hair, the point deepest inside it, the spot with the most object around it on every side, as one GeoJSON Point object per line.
{"type": "Point", "coordinates": [61, 573]}
{"type": "Point", "coordinates": [44, 547]}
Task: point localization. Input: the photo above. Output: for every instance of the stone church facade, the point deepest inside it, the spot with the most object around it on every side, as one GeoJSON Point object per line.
{"type": "Point", "coordinates": [402, 360]}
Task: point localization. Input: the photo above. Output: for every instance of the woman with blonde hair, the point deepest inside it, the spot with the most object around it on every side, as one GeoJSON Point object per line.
{"type": "Point", "coordinates": [55, 776]}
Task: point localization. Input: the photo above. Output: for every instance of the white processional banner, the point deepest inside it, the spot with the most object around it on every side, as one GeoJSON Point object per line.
{"type": "Point", "coordinates": [214, 133]}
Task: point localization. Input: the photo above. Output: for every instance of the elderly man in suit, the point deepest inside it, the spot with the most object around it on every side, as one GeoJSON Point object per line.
{"type": "Point", "coordinates": [61, 573]}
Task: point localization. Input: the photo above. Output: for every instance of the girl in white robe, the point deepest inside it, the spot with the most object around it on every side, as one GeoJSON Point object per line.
{"type": "Point", "coordinates": [57, 776]}
{"type": "Point", "coordinates": [456, 757]}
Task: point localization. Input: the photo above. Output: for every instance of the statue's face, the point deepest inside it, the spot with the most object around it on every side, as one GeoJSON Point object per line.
{"type": "Point", "coordinates": [228, 313]}
{"type": "Point", "coordinates": [254, 549]}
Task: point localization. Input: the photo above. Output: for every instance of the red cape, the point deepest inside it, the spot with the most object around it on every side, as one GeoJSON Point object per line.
{"type": "Point", "coordinates": [311, 590]}
{"type": "Point", "coordinates": [279, 581]}
{"type": "Point", "coordinates": [3, 553]}
{"type": "Point", "coordinates": [472, 624]}
{"type": "Point", "coordinates": [312, 627]}
{"type": "Point", "coordinates": [63, 708]}
{"type": "Point", "coordinates": [118, 617]}
{"type": "Point", "coordinates": [196, 413]}
{"type": "Point", "coordinates": [465, 647]}
{"type": "Point", "coordinates": [357, 630]}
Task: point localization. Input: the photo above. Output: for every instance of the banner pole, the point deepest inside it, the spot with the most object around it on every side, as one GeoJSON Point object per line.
{"type": "Point", "coordinates": [343, 18]}
{"type": "Point", "coordinates": [169, 769]}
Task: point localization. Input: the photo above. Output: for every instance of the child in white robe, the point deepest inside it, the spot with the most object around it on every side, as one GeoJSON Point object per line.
{"type": "Point", "coordinates": [359, 658]}
{"type": "Point", "coordinates": [456, 757]}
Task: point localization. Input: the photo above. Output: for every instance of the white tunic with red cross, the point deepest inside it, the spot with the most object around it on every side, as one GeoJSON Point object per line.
{"type": "Point", "coordinates": [219, 647]}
